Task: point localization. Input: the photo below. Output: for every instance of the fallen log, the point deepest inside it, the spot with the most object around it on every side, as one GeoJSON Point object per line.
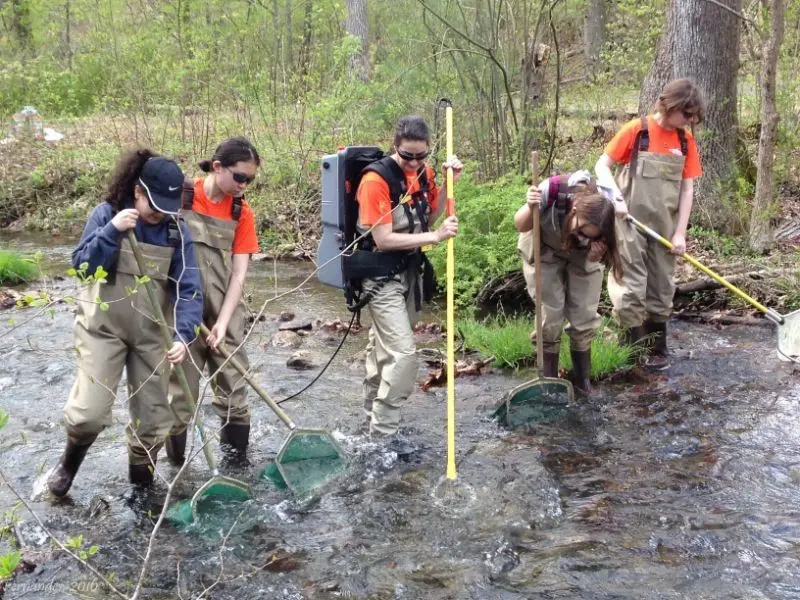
{"type": "Point", "coordinates": [702, 284]}
{"type": "Point", "coordinates": [716, 317]}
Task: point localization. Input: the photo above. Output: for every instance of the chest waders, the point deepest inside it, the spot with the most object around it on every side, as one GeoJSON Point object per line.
{"type": "Point", "coordinates": [571, 293]}
{"type": "Point", "coordinates": [543, 398]}
{"type": "Point", "coordinates": [395, 302]}
{"type": "Point", "coordinates": [209, 498]}
{"type": "Point", "coordinates": [213, 242]}
{"type": "Point", "coordinates": [651, 184]}
{"type": "Point", "coordinates": [107, 341]}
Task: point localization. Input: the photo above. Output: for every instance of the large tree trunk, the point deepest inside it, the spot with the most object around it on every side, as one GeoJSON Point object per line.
{"type": "Point", "coordinates": [594, 31]}
{"type": "Point", "coordinates": [701, 41]}
{"type": "Point", "coordinates": [759, 219]}
{"type": "Point", "coordinates": [356, 24]}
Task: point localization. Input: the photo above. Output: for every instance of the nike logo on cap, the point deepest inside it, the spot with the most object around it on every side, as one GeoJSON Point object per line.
{"type": "Point", "coordinates": [172, 189]}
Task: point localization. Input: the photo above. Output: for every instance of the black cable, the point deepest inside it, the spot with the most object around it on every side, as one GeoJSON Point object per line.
{"type": "Point", "coordinates": [330, 360]}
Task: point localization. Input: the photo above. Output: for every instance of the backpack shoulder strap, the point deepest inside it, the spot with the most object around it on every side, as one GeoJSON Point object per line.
{"type": "Point", "coordinates": [392, 174]}
{"type": "Point", "coordinates": [236, 209]}
{"type": "Point", "coordinates": [683, 140]}
{"type": "Point", "coordinates": [187, 194]}
{"type": "Point", "coordinates": [640, 143]}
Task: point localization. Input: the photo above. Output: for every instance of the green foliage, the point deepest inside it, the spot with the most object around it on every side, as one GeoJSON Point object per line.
{"type": "Point", "coordinates": [9, 563]}
{"type": "Point", "coordinates": [486, 243]}
{"type": "Point", "coordinates": [76, 544]}
{"type": "Point", "coordinates": [505, 338]}
{"type": "Point", "coordinates": [16, 269]}
{"type": "Point", "coordinates": [508, 339]}
{"type": "Point", "coordinates": [711, 240]}
{"type": "Point", "coordinates": [3, 418]}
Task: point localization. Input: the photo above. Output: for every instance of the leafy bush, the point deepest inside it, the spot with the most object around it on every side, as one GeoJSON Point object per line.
{"type": "Point", "coordinates": [15, 269]}
{"type": "Point", "coordinates": [486, 243]}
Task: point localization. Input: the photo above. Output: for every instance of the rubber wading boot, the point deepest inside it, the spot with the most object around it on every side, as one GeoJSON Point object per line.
{"type": "Point", "coordinates": [550, 364]}
{"type": "Point", "coordinates": [60, 480]}
{"type": "Point", "coordinates": [657, 356]}
{"type": "Point", "coordinates": [634, 336]}
{"type": "Point", "coordinates": [581, 371]}
{"type": "Point", "coordinates": [233, 440]}
{"type": "Point", "coordinates": [141, 475]}
{"type": "Point", "coordinates": [176, 448]}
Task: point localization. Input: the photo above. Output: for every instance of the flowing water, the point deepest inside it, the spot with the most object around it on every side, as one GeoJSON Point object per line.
{"type": "Point", "coordinates": [683, 485]}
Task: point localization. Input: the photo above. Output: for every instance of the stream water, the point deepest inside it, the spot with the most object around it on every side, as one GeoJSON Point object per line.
{"type": "Point", "coordinates": [682, 485]}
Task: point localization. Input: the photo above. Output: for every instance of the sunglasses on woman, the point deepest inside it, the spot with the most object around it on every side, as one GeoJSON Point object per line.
{"type": "Point", "coordinates": [241, 178]}
{"type": "Point", "coordinates": [412, 156]}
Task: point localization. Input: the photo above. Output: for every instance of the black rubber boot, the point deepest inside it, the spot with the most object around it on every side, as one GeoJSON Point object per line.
{"type": "Point", "coordinates": [657, 355]}
{"type": "Point", "coordinates": [176, 448]}
{"type": "Point", "coordinates": [233, 441]}
{"type": "Point", "coordinates": [634, 336]}
{"type": "Point", "coordinates": [141, 475]}
{"type": "Point", "coordinates": [581, 371]}
{"type": "Point", "coordinates": [60, 480]}
{"type": "Point", "coordinates": [550, 364]}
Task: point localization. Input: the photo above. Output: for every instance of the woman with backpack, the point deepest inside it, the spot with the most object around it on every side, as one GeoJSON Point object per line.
{"type": "Point", "coordinates": [115, 328]}
{"type": "Point", "coordinates": [659, 161]}
{"type": "Point", "coordinates": [399, 202]}
{"type": "Point", "coordinates": [224, 233]}
{"type": "Point", "coordinates": [577, 240]}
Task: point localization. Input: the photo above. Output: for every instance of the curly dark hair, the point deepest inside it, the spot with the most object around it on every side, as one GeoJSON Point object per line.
{"type": "Point", "coordinates": [125, 176]}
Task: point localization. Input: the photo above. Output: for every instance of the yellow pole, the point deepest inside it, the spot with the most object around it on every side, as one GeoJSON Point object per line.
{"type": "Point", "coordinates": [451, 325]}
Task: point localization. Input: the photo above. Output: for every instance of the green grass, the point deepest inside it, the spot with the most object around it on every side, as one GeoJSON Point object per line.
{"type": "Point", "coordinates": [15, 269]}
{"type": "Point", "coordinates": [508, 340]}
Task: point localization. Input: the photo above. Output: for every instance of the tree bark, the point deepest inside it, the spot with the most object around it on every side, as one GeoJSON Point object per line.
{"type": "Point", "coordinates": [356, 24]}
{"type": "Point", "coordinates": [21, 23]}
{"type": "Point", "coordinates": [701, 41]}
{"type": "Point", "coordinates": [771, 45]}
{"type": "Point", "coordinates": [594, 33]}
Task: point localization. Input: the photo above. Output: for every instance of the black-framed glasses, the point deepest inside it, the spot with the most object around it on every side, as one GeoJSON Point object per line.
{"type": "Point", "coordinates": [241, 178]}
{"type": "Point", "coordinates": [591, 238]}
{"type": "Point", "coordinates": [411, 155]}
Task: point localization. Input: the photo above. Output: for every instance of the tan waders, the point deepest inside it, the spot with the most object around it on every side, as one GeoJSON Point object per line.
{"type": "Point", "coordinates": [107, 341]}
{"type": "Point", "coordinates": [643, 299]}
{"type": "Point", "coordinates": [391, 365]}
{"type": "Point", "coordinates": [213, 240]}
{"type": "Point", "coordinates": [571, 286]}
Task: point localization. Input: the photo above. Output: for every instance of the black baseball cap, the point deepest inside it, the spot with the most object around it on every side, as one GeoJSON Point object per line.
{"type": "Point", "coordinates": [162, 179]}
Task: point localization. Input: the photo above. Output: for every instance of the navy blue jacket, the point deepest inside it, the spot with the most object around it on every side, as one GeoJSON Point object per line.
{"type": "Point", "coordinates": [99, 246]}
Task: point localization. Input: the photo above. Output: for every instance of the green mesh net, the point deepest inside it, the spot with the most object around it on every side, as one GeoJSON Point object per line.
{"type": "Point", "coordinates": [218, 494]}
{"type": "Point", "coordinates": [307, 460]}
{"type": "Point", "coordinates": [540, 401]}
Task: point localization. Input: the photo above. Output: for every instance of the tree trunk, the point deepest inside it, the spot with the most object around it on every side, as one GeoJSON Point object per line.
{"type": "Point", "coordinates": [68, 33]}
{"type": "Point", "coordinates": [594, 32]}
{"type": "Point", "coordinates": [701, 41]}
{"type": "Point", "coordinates": [305, 49]}
{"type": "Point", "coordinates": [356, 24]}
{"type": "Point", "coordinates": [759, 219]}
{"type": "Point", "coordinates": [21, 23]}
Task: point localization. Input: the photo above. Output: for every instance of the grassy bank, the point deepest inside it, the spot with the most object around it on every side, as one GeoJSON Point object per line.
{"type": "Point", "coordinates": [508, 339]}
{"type": "Point", "coordinates": [15, 269]}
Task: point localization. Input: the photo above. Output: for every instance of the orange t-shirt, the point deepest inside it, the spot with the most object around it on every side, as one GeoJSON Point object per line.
{"type": "Point", "coordinates": [662, 141]}
{"type": "Point", "coordinates": [375, 202]}
{"type": "Point", "coordinates": [245, 240]}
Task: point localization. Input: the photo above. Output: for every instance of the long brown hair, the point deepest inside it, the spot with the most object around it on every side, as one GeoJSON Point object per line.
{"type": "Point", "coordinates": [682, 95]}
{"type": "Point", "coordinates": [125, 177]}
{"type": "Point", "coordinates": [594, 209]}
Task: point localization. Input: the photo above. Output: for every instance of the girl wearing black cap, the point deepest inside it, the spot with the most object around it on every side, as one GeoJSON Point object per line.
{"type": "Point", "coordinates": [116, 329]}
